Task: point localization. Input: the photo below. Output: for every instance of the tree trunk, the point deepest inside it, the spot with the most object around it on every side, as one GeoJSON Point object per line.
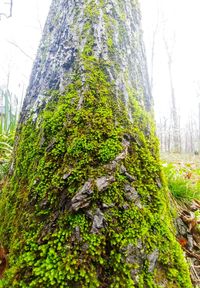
{"type": "Point", "coordinates": [174, 115]}
{"type": "Point", "coordinates": [85, 205]}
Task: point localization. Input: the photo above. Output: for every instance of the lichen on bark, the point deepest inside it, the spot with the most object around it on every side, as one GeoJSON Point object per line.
{"type": "Point", "coordinates": [85, 205]}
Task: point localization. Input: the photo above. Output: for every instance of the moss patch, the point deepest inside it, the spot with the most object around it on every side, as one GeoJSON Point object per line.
{"type": "Point", "coordinates": [52, 246]}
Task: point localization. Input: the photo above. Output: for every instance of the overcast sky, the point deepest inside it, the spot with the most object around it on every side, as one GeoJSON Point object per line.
{"type": "Point", "coordinates": [178, 20]}
{"type": "Point", "coordinates": [20, 36]}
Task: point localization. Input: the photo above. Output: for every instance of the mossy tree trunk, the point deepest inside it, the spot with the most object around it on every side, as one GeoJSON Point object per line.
{"type": "Point", "coordinates": [84, 205]}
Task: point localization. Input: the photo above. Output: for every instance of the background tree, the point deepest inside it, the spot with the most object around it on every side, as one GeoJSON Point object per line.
{"type": "Point", "coordinates": [84, 205]}
{"type": "Point", "coordinates": [174, 114]}
{"type": "Point", "coordinates": [6, 9]}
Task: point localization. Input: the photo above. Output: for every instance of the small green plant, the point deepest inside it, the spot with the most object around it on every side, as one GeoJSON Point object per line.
{"type": "Point", "coordinates": [180, 182]}
{"type": "Point", "coordinates": [6, 148]}
{"type": "Point", "coordinates": [8, 111]}
{"type": "Point", "coordinates": [8, 120]}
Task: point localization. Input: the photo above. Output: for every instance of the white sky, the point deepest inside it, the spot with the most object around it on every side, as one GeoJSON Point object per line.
{"type": "Point", "coordinates": [178, 19]}
{"type": "Point", "coordinates": [24, 30]}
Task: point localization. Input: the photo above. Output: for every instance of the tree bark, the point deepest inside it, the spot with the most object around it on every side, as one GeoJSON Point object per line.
{"type": "Point", "coordinates": [85, 205]}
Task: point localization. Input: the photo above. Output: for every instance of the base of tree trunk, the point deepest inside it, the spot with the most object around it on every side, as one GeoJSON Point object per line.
{"type": "Point", "coordinates": [85, 206]}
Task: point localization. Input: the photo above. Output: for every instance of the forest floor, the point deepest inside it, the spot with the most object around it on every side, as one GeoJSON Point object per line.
{"type": "Point", "coordinates": [182, 172]}
{"type": "Point", "coordinates": [177, 157]}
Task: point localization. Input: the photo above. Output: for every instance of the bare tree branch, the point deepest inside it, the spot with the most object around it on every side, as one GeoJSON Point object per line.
{"type": "Point", "coordinates": [10, 10]}
{"type": "Point", "coordinates": [11, 7]}
{"type": "Point", "coordinates": [21, 50]}
{"type": "Point", "coordinates": [38, 18]}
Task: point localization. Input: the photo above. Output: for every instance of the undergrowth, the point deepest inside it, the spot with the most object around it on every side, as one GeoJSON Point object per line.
{"type": "Point", "coordinates": [8, 119]}
{"type": "Point", "coordinates": [183, 181]}
{"type": "Point", "coordinates": [6, 148]}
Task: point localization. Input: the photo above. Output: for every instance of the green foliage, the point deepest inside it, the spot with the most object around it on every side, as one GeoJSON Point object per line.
{"type": "Point", "coordinates": [180, 184]}
{"type": "Point", "coordinates": [8, 121]}
{"type": "Point", "coordinates": [6, 148]}
{"type": "Point", "coordinates": [8, 112]}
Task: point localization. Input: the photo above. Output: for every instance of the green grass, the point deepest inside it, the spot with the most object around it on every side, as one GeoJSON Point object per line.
{"type": "Point", "coordinates": [183, 181]}
{"type": "Point", "coordinates": [6, 148]}
{"type": "Point", "coordinates": [8, 122]}
{"type": "Point", "coordinates": [8, 117]}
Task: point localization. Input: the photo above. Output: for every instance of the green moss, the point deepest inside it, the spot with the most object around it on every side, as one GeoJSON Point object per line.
{"type": "Point", "coordinates": [41, 234]}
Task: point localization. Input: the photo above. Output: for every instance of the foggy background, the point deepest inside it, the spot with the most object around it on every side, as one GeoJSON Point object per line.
{"type": "Point", "coordinates": [171, 23]}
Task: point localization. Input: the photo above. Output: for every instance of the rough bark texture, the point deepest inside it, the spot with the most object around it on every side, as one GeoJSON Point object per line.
{"type": "Point", "coordinates": [108, 30]}
{"type": "Point", "coordinates": [85, 205]}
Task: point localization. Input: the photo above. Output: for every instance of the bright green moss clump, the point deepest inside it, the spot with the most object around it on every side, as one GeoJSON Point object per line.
{"type": "Point", "coordinates": [70, 142]}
